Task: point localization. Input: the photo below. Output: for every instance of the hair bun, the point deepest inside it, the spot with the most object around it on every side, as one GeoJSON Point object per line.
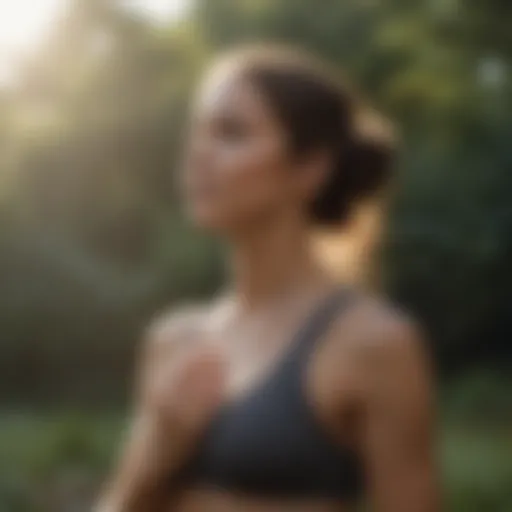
{"type": "Point", "coordinates": [371, 154]}
{"type": "Point", "coordinates": [363, 169]}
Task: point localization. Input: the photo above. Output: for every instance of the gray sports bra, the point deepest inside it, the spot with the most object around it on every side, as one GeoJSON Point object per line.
{"type": "Point", "coordinates": [269, 444]}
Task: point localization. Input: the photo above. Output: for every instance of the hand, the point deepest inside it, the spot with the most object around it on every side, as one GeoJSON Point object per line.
{"type": "Point", "coordinates": [177, 397]}
{"type": "Point", "coordinates": [184, 395]}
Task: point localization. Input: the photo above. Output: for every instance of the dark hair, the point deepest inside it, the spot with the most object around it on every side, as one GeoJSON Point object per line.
{"type": "Point", "coordinates": [319, 112]}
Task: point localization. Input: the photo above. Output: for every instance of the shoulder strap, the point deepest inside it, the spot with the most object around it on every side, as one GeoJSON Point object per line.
{"type": "Point", "coordinates": [319, 322]}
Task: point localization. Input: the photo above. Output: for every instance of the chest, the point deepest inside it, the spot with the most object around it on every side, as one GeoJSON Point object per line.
{"type": "Point", "coordinates": [265, 368]}
{"type": "Point", "coordinates": [274, 436]}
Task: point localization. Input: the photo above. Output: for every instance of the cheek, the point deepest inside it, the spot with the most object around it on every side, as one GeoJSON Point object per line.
{"type": "Point", "coordinates": [252, 180]}
{"type": "Point", "coordinates": [233, 184]}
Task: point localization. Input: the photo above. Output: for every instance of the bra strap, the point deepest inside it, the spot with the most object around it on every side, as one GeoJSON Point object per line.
{"type": "Point", "coordinates": [320, 321]}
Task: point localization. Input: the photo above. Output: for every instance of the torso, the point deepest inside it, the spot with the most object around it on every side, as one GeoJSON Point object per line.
{"type": "Point", "coordinates": [198, 500]}
{"type": "Point", "coordinates": [331, 389]}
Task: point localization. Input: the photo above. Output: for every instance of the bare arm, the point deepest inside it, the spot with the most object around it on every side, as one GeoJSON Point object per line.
{"type": "Point", "coordinates": [398, 435]}
{"type": "Point", "coordinates": [139, 482]}
{"type": "Point", "coordinates": [176, 393]}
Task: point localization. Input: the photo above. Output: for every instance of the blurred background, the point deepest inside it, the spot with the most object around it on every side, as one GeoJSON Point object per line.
{"type": "Point", "coordinates": [93, 99]}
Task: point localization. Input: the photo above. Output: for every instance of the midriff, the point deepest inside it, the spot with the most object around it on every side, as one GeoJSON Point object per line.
{"type": "Point", "coordinates": [208, 500]}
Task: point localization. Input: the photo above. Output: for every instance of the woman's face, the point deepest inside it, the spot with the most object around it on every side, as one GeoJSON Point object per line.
{"type": "Point", "coordinates": [238, 172]}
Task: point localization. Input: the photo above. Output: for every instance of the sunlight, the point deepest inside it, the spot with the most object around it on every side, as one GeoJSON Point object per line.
{"type": "Point", "coordinates": [159, 10]}
{"type": "Point", "coordinates": [24, 22]}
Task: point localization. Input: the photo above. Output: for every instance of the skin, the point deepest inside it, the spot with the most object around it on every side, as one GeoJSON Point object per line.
{"type": "Point", "coordinates": [368, 381]}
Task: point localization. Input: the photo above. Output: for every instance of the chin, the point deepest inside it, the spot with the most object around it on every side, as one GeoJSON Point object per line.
{"type": "Point", "coordinates": [207, 222]}
{"type": "Point", "coordinates": [216, 222]}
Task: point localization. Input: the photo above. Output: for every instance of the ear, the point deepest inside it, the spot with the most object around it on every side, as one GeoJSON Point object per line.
{"type": "Point", "coordinates": [312, 173]}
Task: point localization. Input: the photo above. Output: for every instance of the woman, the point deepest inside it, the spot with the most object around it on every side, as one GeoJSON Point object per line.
{"type": "Point", "coordinates": [292, 392]}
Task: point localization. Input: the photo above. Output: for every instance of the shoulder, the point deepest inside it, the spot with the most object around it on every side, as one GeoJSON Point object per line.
{"type": "Point", "coordinates": [175, 329]}
{"type": "Point", "coordinates": [374, 326]}
{"type": "Point", "coordinates": [177, 323]}
{"type": "Point", "coordinates": [386, 345]}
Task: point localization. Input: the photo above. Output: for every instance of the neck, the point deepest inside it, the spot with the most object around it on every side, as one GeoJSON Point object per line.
{"type": "Point", "coordinates": [274, 261]}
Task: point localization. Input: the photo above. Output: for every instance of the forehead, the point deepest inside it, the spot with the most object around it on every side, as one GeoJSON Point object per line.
{"type": "Point", "coordinates": [226, 91]}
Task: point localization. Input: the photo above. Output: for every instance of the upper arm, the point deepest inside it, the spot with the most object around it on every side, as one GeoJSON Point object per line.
{"type": "Point", "coordinates": [167, 336]}
{"type": "Point", "coordinates": [397, 440]}
{"type": "Point", "coordinates": [144, 465]}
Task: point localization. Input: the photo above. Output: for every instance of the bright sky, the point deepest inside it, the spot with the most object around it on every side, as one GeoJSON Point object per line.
{"type": "Point", "coordinates": [24, 22]}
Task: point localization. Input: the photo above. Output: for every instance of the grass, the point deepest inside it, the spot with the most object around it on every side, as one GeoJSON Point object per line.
{"type": "Point", "coordinates": [55, 462]}
{"type": "Point", "coordinates": [477, 467]}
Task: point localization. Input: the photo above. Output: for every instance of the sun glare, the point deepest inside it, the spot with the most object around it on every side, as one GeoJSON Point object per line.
{"type": "Point", "coordinates": [159, 9]}
{"type": "Point", "coordinates": [24, 22]}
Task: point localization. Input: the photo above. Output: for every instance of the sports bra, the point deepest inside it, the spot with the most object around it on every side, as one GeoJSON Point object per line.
{"type": "Point", "coordinates": [269, 443]}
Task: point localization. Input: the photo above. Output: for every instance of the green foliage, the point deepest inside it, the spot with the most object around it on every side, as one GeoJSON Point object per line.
{"type": "Point", "coordinates": [91, 237]}
{"type": "Point", "coordinates": [480, 398]}
{"type": "Point", "coordinates": [477, 468]}
{"type": "Point", "coordinates": [52, 461]}
{"type": "Point", "coordinates": [92, 241]}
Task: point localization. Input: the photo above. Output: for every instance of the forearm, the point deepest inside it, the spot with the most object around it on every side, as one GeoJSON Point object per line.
{"type": "Point", "coordinates": [174, 404]}
{"type": "Point", "coordinates": [122, 501]}
{"type": "Point", "coordinates": [143, 477]}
